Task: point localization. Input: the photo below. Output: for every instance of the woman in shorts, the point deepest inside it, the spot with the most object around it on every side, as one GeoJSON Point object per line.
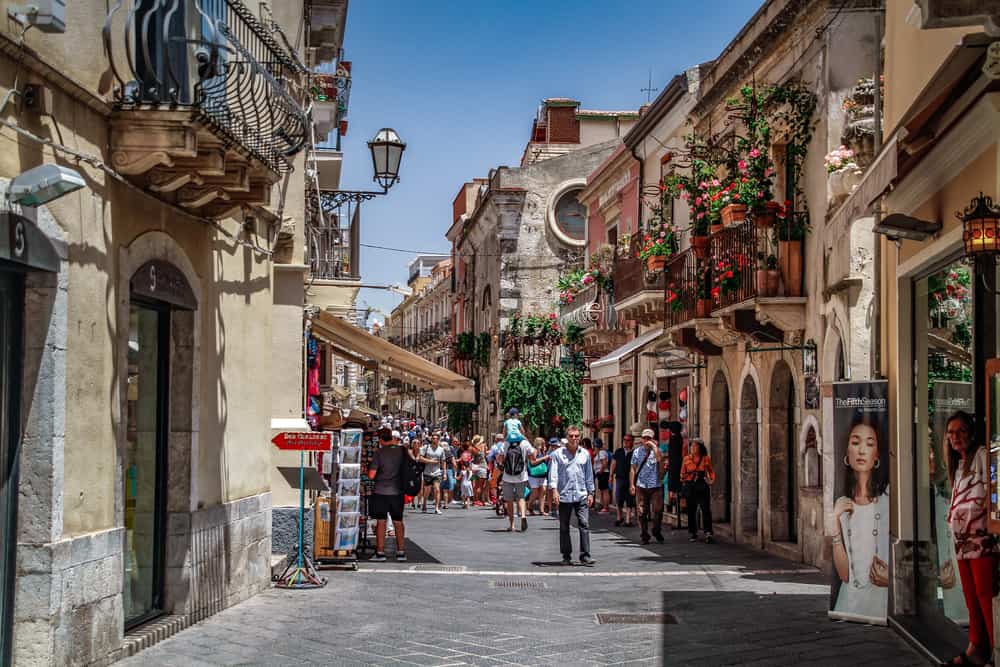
{"type": "Point", "coordinates": [538, 479]}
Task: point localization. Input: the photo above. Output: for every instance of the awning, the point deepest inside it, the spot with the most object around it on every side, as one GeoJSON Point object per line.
{"type": "Point", "coordinates": [610, 365]}
{"type": "Point", "coordinates": [395, 361]}
{"type": "Point", "coordinates": [877, 179]}
{"type": "Point", "coordinates": [455, 395]}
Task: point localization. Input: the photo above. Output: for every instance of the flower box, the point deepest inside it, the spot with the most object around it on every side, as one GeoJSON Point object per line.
{"type": "Point", "coordinates": [733, 214]}
{"type": "Point", "coordinates": [656, 263]}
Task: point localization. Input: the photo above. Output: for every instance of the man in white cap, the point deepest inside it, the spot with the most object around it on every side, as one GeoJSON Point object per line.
{"type": "Point", "coordinates": [647, 486]}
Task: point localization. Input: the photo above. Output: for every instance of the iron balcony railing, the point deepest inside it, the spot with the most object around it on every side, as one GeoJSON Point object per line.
{"type": "Point", "coordinates": [215, 57]}
{"type": "Point", "coordinates": [681, 288]}
{"type": "Point", "coordinates": [733, 258]}
{"type": "Point", "coordinates": [333, 234]}
{"type": "Point", "coordinates": [631, 276]}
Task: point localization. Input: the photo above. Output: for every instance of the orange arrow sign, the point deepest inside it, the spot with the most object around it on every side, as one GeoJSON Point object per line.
{"type": "Point", "coordinates": [304, 441]}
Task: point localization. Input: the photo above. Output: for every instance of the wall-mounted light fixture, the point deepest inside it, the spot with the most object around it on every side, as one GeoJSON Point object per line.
{"type": "Point", "coordinates": [981, 222]}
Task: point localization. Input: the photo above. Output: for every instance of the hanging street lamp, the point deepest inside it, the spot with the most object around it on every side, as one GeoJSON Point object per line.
{"type": "Point", "coordinates": [387, 152]}
{"type": "Point", "coordinates": [981, 222]}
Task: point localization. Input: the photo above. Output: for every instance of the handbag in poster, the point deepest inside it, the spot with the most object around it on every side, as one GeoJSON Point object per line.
{"type": "Point", "coordinates": [859, 521]}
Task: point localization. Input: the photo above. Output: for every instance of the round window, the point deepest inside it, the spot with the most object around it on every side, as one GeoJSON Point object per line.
{"type": "Point", "coordinates": [571, 215]}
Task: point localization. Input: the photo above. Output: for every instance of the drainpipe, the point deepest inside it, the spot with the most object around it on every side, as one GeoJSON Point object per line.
{"type": "Point", "coordinates": [876, 340]}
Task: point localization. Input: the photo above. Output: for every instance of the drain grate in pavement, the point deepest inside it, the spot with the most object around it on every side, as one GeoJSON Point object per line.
{"type": "Point", "coordinates": [438, 568]}
{"type": "Point", "coordinates": [519, 584]}
{"type": "Point", "coordinates": [635, 619]}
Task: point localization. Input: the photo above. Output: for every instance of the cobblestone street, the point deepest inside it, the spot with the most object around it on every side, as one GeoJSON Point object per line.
{"type": "Point", "coordinates": [473, 594]}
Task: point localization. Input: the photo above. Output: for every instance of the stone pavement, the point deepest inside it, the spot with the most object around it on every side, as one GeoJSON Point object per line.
{"type": "Point", "coordinates": [473, 594]}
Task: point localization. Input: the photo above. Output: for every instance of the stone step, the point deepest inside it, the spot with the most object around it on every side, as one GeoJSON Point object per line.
{"type": "Point", "coordinates": [152, 633]}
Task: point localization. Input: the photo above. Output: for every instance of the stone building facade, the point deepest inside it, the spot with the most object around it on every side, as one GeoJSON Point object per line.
{"type": "Point", "coordinates": [139, 313]}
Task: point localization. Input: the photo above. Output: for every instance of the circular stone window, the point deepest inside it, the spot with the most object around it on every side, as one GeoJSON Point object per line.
{"type": "Point", "coordinates": [567, 216]}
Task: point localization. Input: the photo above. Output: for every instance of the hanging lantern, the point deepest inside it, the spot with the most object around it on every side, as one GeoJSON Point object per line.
{"type": "Point", "coordinates": [982, 227]}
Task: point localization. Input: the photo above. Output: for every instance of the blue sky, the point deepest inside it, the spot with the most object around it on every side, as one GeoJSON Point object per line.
{"type": "Point", "coordinates": [460, 82]}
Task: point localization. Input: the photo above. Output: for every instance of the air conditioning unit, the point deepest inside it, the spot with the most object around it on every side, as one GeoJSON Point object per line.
{"type": "Point", "coordinates": [46, 15]}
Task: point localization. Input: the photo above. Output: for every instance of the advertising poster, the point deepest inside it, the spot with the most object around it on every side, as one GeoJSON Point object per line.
{"type": "Point", "coordinates": [859, 522]}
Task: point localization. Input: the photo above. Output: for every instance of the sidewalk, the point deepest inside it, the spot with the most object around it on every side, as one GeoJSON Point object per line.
{"type": "Point", "coordinates": [473, 594]}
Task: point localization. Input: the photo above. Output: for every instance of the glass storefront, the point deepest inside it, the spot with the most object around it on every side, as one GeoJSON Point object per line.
{"type": "Point", "coordinates": [11, 300]}
{"type": "Point", "coordinates": [144, 464]}
{"type": "Point", "coordinates": [946, 346]}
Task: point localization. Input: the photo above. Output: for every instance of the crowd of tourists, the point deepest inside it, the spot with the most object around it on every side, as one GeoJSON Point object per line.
{"type": "Point", "coordinates": [432, 470]}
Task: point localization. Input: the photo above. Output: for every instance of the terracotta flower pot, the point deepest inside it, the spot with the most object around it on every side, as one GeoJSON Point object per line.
{"type": "Point", "coordinates": [734, 214]}
{"type": "Point", "coordinates": [715, 229]}
{"type": "Point", "coordinates": [766, 217]}
{"type": "Point", "coordinates": [656, 263]}
{"type": "Point", "coordinates": [773, 282]}
{"type": "Point", "coordinates": [760, 281]}
{"type": "Point", "coordinates": [700, 245]}
{"type": "Point", "coordinates": [703, 307]}
{"type": "Point", "coordinates": [790, 263]}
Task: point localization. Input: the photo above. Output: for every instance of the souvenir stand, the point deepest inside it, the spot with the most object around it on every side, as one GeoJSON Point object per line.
{"type": "Point", "coordinates": [338, 517]}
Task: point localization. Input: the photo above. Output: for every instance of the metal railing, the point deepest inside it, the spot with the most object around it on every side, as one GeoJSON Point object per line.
{"type": "Point", "coordinates": [681, 288]}
{"type": "Point", "coordinates": [214, 56]}
{"type": "Point", "coordinates": [333, 247]}
{"type": "Point", "coordinates": [630, 274]}
{"type": "Point", "coordinates": [733, 259]}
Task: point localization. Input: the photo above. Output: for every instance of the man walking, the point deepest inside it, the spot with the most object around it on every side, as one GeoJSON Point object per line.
{"type": "Point", "coordinates": [571, 476]}
{"type": "Point", "coordinates": [621, 469]}
{"type": "Point", "coordinates": [433, 456]}
{"type": "Point", "coordinates": [514, 459]}
{"type": "Point", "coordinates": [387, 500]}
{"type": "Point", "coordinates": [647, 486]}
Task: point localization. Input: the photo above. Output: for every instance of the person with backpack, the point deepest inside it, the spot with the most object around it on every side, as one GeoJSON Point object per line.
{"type": "Point", "coordinates": [571, 476]}
{"type": "Point", "coordinates": [392, 470]}
{"type": "Point", "coordinates": [514, 459]}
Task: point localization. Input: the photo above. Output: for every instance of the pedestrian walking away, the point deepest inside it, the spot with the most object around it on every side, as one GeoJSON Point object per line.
{"type": "Point", "coordinates": [697, 477]}
{"type": "Point", "coordinates": [571, 475]}
{"type": "Point", "coordinates": [386, 469]}
{"type": "Point", "coordinates": [647, 464]}
{"type": "Point", "coordinates": [621, 469]}
{"type": "Point", "coordinates": [602, 473]}
{"type": "Point", "coordinates": [514, 459]}
{"type": "Point", "coordinates": [538, 478]}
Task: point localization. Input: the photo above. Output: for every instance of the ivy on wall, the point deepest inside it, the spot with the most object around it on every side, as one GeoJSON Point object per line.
{"type": "Point", "coordinates": [542, 393]}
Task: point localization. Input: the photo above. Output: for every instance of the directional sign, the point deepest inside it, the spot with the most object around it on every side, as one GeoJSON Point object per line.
{"type": "Point", "coordinates": [304, 441]}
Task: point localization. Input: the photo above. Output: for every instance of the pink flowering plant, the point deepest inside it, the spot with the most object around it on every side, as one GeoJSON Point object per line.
{"type": "Point", "coordinates": [571, 284]}
{"type": "Point", "coordinates": [840, 158]}
{"type": "Point", "coordinates": [698, 189]}
{"type": "Point", "coordinates": [754, 168]}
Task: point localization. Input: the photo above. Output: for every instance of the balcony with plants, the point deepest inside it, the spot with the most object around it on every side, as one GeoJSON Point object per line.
{"type": "Point", "coordinates": [639, 262]}
{"type": "Point", "coordinates": [208, 103]}
{"type": "Point", "coordinates": [587, 305]}
{"type": "Point", "coordinates": [742, 273]}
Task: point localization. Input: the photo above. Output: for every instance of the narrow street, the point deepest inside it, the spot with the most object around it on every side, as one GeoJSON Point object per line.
{"type": "Point", "coordinates": [472, 594]}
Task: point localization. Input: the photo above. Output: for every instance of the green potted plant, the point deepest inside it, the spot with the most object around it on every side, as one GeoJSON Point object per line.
{"type": "Point", "coordinates": [657, 245]}
{"type": "Point", "coordinates": [791, 229]}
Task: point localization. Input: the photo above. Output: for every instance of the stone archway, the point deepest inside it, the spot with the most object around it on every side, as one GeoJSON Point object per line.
{"type": "Point", "coordinates": [720, 446]}
{"type": "Point", "coordinates": [749, 458]}
{"type": "Point", "coordinates": [782, 459]}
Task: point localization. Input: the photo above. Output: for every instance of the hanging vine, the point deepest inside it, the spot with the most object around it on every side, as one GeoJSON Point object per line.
{"type": "Point", "coordinates": [542, 393]}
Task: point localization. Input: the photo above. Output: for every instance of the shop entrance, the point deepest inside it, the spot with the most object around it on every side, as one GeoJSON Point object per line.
{"type": "Point", "coordinates": [720, 437]}
{"type": "Point", "coordinates": [749, 458]}
{"type": "Point", "coordinates": [781, 455]}
{"type": "Point", "coordinates": [11, 304]}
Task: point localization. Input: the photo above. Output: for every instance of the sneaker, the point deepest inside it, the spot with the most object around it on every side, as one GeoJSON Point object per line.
{"type": "Point", "coordinates": [645, 539]}
{"type": "Point", "coordinates": [692, 538]}
{"type": "Point", "coordinates": [708, 538]}
{"type": "Point", "coordinates": [524, 523]}
{"type": "Point", "coordinates": [437, 510]}
{"type": "Point", "coordinates": [618, 522]}
{"type": "Point", "coordinates": [400, 556]}
{"type": "Point", "coordinates": [567, 560]}
{"type": "Point", "coordinates": [378, 558]}
{"type": "Point", "coordinates": [659, 537]}
{"type": "Point", "coordinates": [585, 559]}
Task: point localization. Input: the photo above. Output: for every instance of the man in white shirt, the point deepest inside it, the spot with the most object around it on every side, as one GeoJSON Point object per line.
{"type": "Point", "coordinates": [514, 459]}
{"type": "Point", "coordinates": [434, 458]}
{"type": "Point", "coordinates": [571, 475]}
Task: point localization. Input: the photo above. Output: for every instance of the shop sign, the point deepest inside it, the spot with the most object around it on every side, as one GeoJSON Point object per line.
{"type": "Point", "coordinates": [21, 241]}
{"type": "Point", "coordinates": [858, 524]}
{"type": "Point", "coordinates": [303, 441]}
{"type": "Point", "coordinates": [163, 281]}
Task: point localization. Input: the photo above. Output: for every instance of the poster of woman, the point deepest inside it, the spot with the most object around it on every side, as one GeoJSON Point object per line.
{"type": "Point", "coordinates": [858, 526]}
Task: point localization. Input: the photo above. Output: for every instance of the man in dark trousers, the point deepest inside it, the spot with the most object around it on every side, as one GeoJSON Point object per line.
{"type": "Point", "coordinates": [676, 454]}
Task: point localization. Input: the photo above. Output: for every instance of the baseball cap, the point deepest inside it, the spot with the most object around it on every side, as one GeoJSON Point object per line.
{"type": "Point", "coordinates": [648, 433]}
{"type": "Point", "coordinates": [513, 412]}
{"type": "Point", "coordinates": [553, 441]}
{"type": "Point", "coordinates": [395, 434]}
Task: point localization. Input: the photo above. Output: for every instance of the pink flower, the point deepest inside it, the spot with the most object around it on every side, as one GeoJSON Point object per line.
{"type": "Point", "coordinates": [768, 172]}
{"type": "Point", "coordinates": [760, 194]}
{"type": "Point", "coordinates": [742, 164]}
{"type": "Point", "coordinates": [684, 194]}
{"type": "Point", "coordinates": [701, 215]}
{"type": "Point", "coordinates": [697, 201]}
{"type": "Point", "coordinates": [663, 235]}
{"type": "Point", "coordinates": [736, 195]}
{"type": "Point", "coordinates": [744, 180]}
{"type": "Point", "coordinates": [715, 183]}
{"type": "Point", "coordinates": [755, 153]}
{"type": "Point", "coordinates": [703, 185]}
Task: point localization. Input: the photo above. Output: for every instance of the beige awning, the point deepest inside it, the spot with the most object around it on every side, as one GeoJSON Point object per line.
{"type": "Point", "coordinates": [877, 179]}
{"type": "Point", "coordinates": [394, 361]}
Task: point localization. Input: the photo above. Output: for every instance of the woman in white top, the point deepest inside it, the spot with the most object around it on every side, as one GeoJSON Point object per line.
{"type": "Point", "coordinates": [861, 524]}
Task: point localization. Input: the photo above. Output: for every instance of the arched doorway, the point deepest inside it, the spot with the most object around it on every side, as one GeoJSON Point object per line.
{"type": "Point", "coordinates": [781, 455]}
{"type": "Point", "coordinates": [720, 446]}
{"type": "Point", "coordinates": [749, 458]}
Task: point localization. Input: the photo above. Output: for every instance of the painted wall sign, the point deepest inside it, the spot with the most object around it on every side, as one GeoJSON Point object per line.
{"type": "Point", "coordinates": [163, 281]}
{"type": "Point", "coordinates": [21, 241]}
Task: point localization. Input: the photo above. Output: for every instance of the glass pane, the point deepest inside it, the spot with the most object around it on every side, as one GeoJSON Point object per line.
{"type": "Point", "coordinates": [140, 464]}
{"type": "Point", "coordinates": [942, 342]}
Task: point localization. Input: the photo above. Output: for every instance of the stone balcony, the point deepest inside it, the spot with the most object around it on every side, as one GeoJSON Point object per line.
{"type": "Point", "coordinates": [638, 291]}
{"type": "Point", "coordinates": [593, 310]}
{"type": "Point", "coordinates": [207, 121]}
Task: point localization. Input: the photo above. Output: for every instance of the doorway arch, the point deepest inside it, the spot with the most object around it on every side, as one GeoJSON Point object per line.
{"type": "Point", "coordinates": [721, 447]}
{"type": "Point", "coordinates": [782, 459]}
{"type": "Point", "coordinates": [749, 458]}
